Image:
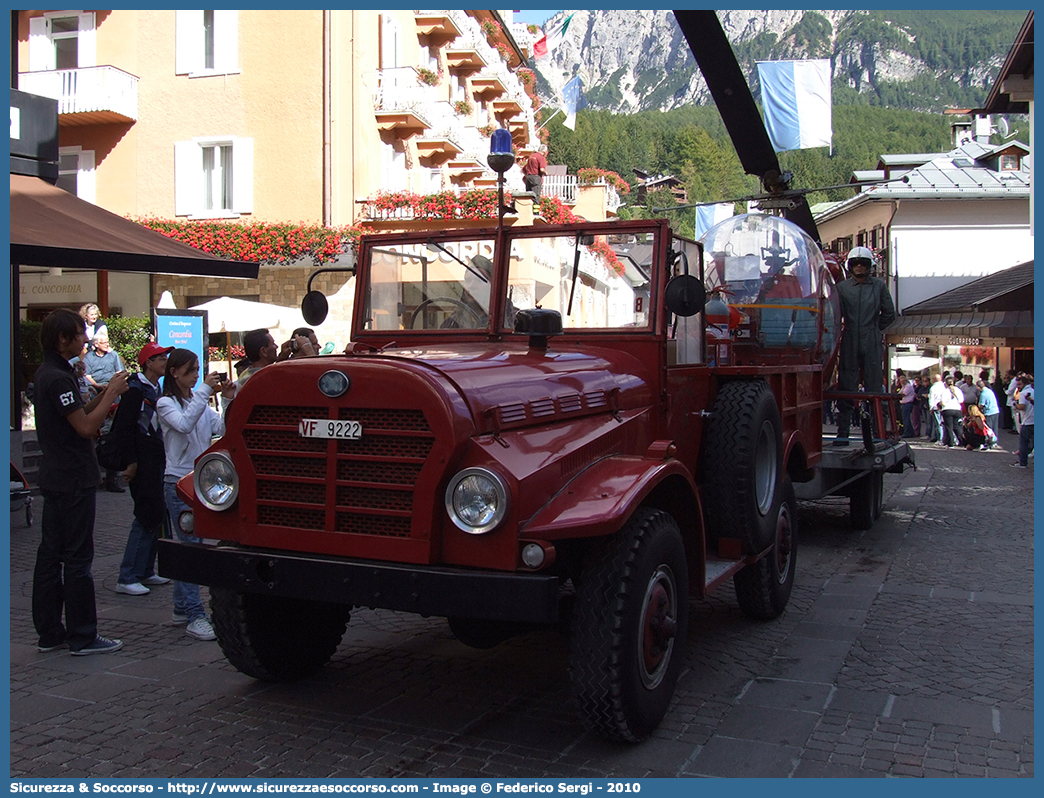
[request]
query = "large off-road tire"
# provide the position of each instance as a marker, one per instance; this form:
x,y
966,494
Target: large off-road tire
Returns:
x,y
628,627
866,500
276,639
741,463
763,589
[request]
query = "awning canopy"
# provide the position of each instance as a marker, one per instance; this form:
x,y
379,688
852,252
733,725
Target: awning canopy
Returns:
x,y
968,323
53,228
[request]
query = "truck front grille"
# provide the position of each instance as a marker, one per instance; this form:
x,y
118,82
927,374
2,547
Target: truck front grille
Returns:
x,y
364,487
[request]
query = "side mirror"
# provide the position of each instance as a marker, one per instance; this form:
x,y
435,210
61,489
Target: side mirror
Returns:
x,y
685,295
314,307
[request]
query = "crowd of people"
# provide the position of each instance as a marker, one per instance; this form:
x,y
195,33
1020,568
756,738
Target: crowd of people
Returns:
x,y
958,410
161,422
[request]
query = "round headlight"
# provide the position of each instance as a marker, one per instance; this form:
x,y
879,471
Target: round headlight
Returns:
x,y
334,383
476,500
186,522
216,481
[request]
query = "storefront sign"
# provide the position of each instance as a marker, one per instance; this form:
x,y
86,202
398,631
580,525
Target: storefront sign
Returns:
x,y
48,289
944,340
184,329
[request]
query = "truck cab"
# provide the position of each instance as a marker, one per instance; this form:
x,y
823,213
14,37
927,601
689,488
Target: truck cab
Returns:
x,y
530,426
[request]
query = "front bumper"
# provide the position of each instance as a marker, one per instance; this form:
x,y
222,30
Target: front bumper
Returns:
x,y
425,590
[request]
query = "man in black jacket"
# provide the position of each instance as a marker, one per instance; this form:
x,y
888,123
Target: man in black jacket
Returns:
x,y
65,430
137,429
866,310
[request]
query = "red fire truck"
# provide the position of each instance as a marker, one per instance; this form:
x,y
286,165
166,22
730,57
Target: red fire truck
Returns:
x,y
533,425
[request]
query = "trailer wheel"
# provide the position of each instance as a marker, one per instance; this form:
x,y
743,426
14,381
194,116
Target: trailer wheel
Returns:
x,y
763,589
628,627
866,500
878,493
276,639
742,463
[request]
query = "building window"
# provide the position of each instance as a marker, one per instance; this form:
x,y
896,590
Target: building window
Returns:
x,y
206,42
393,167
458,87
61,40
1009,163
76,172
390,42
877,237
213,177
217,177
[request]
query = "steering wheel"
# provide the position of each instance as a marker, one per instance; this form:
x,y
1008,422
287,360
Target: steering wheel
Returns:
x,y
456,302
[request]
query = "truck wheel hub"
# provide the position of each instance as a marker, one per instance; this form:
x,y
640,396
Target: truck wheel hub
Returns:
x,y
659,626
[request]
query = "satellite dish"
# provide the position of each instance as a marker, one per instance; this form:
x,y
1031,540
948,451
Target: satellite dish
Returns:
x,y
1002,127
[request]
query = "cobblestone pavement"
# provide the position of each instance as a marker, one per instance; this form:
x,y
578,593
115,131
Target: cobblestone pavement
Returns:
x,y
906,650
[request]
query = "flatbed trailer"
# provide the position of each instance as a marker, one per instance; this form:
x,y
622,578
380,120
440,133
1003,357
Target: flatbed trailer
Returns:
x,y
857,470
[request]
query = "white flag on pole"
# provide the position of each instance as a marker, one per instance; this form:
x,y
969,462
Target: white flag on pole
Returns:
x,y
709,215
796,99
573,100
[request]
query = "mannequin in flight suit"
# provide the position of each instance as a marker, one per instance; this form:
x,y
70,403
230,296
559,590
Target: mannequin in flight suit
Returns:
x,y
866,310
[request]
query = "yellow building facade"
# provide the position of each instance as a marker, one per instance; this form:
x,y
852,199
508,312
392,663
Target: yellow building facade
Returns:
x,y
271,116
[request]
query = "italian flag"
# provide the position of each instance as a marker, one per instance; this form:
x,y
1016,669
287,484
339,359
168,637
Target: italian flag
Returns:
x,y
549,41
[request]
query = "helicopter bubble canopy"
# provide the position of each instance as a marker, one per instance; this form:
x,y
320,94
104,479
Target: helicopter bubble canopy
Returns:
x,y
756,255
775,276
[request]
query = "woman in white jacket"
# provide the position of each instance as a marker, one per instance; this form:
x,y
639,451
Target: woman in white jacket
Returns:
x,y
189,425
951,414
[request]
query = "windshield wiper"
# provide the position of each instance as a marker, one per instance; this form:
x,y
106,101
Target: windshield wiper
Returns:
x,y
433,245
587,240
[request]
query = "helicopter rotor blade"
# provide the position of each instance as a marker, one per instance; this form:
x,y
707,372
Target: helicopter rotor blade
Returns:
x,y
728,86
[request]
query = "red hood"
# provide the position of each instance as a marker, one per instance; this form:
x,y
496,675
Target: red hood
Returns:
x,y
515,385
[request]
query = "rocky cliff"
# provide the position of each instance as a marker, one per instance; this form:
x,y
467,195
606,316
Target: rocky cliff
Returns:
x,y
638,60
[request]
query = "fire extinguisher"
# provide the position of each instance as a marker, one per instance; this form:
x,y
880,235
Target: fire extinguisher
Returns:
x,y
719,319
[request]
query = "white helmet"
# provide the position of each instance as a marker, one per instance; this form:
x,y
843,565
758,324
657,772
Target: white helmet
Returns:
x,y
861,253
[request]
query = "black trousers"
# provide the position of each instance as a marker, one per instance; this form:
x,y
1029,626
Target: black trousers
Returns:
x,y
951,427
62,578
534,183
867,364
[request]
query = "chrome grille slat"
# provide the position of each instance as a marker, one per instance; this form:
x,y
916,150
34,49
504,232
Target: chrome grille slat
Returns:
x,y
374,477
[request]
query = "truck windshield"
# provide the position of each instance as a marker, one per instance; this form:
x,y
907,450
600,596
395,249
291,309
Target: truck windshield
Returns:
x,y
434,285
582,278
446,283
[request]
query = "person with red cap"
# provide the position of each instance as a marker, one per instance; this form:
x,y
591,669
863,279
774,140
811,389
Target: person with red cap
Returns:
x,y
137,429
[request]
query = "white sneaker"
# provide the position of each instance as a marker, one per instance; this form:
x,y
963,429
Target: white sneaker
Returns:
x,y
155,579
133,589
178,619
201,630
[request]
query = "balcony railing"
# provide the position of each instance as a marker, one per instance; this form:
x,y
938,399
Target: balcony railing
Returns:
x,y
399,89
561,186
87,95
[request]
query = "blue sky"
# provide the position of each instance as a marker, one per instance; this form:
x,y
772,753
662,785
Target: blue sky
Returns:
x,y
531,17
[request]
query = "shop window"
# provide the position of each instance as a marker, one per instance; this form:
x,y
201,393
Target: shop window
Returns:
x,y
213,177
206,43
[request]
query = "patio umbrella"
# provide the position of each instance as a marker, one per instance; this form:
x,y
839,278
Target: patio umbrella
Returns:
x,y
914,363
228,315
